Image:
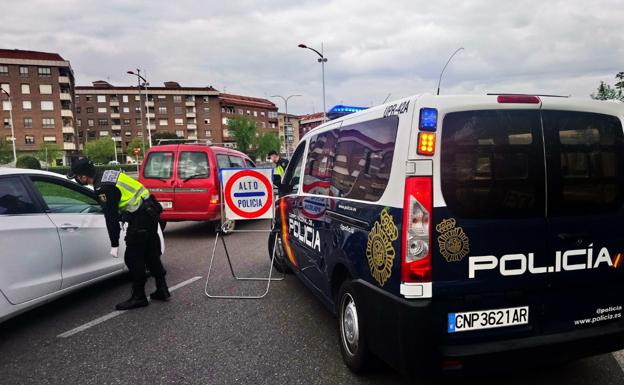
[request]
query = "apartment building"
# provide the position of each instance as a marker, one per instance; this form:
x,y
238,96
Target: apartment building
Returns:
x,y
288,132
104,110
310,121
38,97
262,111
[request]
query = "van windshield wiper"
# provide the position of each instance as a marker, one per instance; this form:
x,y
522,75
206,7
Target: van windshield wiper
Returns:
x,y
195,176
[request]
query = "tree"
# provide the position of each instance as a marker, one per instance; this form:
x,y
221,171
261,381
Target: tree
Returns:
x,y
48,153
243,131
164,135
136,143
606,92
265,143
101,150
6,151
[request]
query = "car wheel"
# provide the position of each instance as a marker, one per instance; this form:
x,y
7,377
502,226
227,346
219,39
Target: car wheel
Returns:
x,y
352,330
279,262
163,224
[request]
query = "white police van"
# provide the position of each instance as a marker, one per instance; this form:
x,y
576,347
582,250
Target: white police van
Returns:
x,y
451,231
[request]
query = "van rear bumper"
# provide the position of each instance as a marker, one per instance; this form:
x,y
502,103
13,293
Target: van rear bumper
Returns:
x,y
407,334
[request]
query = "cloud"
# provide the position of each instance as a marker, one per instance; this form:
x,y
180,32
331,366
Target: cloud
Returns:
x,y
373,48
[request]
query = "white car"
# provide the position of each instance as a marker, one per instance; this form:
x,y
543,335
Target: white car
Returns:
x,y
53,239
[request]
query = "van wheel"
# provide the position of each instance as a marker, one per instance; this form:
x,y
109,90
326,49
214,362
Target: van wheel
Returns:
x,y
163,224
279,262
351,329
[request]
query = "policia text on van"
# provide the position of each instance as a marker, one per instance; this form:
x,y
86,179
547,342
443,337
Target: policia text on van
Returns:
x,y
448,231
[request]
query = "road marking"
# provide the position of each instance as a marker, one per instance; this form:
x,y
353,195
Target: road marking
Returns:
x,y
114,314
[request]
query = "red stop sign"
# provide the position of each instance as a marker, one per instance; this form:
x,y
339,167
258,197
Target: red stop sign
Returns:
x,y
136,151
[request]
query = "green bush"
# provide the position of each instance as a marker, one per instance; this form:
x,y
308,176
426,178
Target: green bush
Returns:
x,y
27,161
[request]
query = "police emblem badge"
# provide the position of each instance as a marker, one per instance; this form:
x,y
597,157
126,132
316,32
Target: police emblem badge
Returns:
x,y
379,250
454,243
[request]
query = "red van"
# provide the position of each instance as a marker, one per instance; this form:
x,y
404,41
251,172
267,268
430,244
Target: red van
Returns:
x,y
185,179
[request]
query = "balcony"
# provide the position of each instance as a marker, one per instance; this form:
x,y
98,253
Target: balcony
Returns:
x,y
116,127
64,79
191,126
151,115
69,146
192,137
116,139
114,103
190,115
115,115
68,130
189,103
150,103
66,96
67,113
151,127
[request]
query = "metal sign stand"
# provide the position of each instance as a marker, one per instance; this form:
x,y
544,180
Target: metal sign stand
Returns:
x,y
222,229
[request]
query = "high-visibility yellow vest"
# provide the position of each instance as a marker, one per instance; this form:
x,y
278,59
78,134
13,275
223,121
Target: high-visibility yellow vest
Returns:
x,y
132,191
279,170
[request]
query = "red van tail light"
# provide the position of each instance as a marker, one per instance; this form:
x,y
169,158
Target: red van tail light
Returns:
x,y
214,200
417,209
526,99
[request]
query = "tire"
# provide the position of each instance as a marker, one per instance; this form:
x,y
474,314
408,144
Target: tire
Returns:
x,y
279,262
352,330
163,224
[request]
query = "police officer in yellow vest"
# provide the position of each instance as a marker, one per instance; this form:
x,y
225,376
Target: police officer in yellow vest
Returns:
x,y
125,199
280,166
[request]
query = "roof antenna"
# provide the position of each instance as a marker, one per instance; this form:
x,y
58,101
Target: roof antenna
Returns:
x,y
386,98
447,62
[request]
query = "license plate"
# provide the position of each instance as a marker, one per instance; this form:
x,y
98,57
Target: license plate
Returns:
x,y
166,205
488,319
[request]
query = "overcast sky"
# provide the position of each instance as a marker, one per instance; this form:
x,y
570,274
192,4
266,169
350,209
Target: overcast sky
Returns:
x,y
374,48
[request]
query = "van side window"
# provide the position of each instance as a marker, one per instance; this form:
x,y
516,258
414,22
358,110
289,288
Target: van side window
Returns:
x,y
320,162
250,163
159,165
235,161
193,164
585,153
290,182
492,164
363,159
223,161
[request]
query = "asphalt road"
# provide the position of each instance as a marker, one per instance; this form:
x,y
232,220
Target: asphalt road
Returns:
x,y
286,338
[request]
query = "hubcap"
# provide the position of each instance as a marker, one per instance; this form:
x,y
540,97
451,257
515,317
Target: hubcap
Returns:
x,y
349,325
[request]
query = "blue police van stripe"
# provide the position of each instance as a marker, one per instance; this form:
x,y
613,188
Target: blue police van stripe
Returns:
x,y
249,194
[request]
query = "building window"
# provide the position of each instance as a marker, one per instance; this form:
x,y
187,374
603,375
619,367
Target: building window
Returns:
x,y
126,110
240,111
23,71
79,122
27,105
255,114
47,105
87,98
101,98
248,112
125,122
263,124
6,87
163,122
48,122
207,121
179,122
177,98
4,70
102,122
224,121
89,110
162,97
272,115
45,89
44,72
137,110
208,133
90,123
49,139
261,113
162,110
27,122
180,133
7,123
103,133
178,110
101,110
124,98
138,121
6,105
29,139
272,125
78,109
25,89
206,99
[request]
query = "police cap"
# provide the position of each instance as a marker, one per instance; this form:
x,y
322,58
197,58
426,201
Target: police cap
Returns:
x,y
82,166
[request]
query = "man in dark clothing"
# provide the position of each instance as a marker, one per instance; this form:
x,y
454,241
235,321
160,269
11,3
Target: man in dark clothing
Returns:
x,y
125,199
280,166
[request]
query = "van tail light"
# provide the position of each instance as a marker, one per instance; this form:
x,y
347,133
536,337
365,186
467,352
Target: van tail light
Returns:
x,y
214,199
521,99
418,204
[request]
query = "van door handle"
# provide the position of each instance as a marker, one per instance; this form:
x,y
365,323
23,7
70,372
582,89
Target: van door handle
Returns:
x,y
69,226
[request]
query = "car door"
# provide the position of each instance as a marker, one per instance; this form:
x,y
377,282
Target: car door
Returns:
x,y
31,249
195,188
585,173
158,176
82,229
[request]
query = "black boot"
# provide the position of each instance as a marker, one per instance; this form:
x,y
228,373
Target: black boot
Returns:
x,y
138,299
162,291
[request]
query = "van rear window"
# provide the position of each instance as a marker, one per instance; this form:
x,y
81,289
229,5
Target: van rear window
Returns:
x,y
159,165
492,164
193,164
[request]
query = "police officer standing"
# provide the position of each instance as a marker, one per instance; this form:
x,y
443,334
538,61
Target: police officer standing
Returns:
x,y
280,165
125,199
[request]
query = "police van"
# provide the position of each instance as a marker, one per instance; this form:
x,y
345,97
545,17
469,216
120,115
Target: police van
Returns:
x,y
451,231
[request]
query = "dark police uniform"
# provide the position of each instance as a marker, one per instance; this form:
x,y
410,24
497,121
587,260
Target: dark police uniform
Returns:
x,y
125,199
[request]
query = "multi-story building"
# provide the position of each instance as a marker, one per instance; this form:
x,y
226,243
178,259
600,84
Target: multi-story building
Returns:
x,y
310,121
289,137
262,111
41,103
119,112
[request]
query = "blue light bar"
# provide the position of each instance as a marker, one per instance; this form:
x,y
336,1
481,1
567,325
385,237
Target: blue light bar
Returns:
x,y
428,119
340,110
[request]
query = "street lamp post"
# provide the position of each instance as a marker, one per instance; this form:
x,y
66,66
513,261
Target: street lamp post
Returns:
x,y
11,123
286,120
322,59
145,84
